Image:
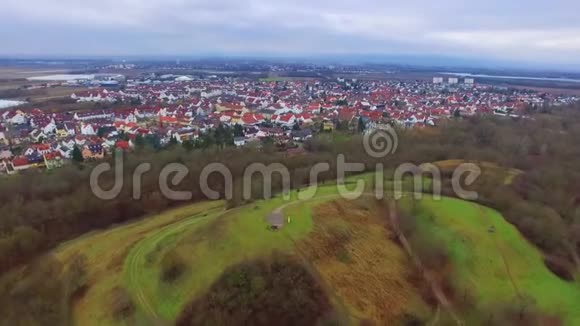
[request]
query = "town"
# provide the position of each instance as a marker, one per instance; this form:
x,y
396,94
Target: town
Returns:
x,y
166,110
352,163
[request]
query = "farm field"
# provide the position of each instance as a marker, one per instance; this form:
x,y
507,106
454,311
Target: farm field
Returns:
x,y
13,80
493,262
54,93
17,72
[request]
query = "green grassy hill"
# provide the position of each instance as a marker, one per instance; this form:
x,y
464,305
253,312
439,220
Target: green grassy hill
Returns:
x,y
165,261
493,262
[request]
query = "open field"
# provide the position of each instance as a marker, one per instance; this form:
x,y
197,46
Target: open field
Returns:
x,y
11,84
286,79
402,76
46,94
15,72
493,262
12,79
551,90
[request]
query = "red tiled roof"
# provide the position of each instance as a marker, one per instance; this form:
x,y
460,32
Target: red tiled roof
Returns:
x,y
122,144
52,155
20,161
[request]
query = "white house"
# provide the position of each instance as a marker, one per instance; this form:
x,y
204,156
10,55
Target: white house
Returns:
x,y
66,152
80,140
49,128
15,118
239,141
287,120
70,129
211,93
225,118
5,155
130,118
92,115
42,149
305,118
170,98
36,135
102,96
88,129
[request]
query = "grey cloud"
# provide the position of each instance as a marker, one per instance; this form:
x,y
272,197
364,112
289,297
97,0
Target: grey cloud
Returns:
x,y
535,30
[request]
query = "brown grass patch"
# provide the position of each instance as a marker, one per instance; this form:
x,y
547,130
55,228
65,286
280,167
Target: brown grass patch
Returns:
x,y
351,248
489,169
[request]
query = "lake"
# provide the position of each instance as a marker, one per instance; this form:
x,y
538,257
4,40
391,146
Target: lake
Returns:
x,y
569,80
4,104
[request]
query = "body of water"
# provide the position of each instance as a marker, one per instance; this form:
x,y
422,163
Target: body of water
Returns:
x,y
5,104
569,80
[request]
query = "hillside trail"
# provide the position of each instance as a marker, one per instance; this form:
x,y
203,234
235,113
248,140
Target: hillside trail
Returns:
x,y
394,221
503,257
150,311
136,257
435,287
435,320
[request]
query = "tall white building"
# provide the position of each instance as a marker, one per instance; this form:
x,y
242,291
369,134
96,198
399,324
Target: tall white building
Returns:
x,y
453,80
437,80
469,81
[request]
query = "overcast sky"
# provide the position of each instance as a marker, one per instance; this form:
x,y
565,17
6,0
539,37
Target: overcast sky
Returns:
x,y
536,31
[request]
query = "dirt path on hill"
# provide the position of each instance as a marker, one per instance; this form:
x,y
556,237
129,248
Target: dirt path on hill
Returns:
x,y
435,288
136,256
394,221
503,258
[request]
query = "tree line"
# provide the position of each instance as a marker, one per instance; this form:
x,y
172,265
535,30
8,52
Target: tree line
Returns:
x,y
41,210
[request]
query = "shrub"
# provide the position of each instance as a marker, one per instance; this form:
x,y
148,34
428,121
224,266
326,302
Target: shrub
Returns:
x,y
267,292
121,303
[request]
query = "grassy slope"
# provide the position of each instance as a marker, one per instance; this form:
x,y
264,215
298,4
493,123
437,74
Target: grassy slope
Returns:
x,y
209,248
242,233
106,251
484,260
128,255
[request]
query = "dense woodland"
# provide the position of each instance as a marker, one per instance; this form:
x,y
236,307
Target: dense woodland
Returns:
x,y
40,210
275,291
42,293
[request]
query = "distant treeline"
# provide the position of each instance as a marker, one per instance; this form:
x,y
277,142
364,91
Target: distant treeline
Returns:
x,y
40,210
